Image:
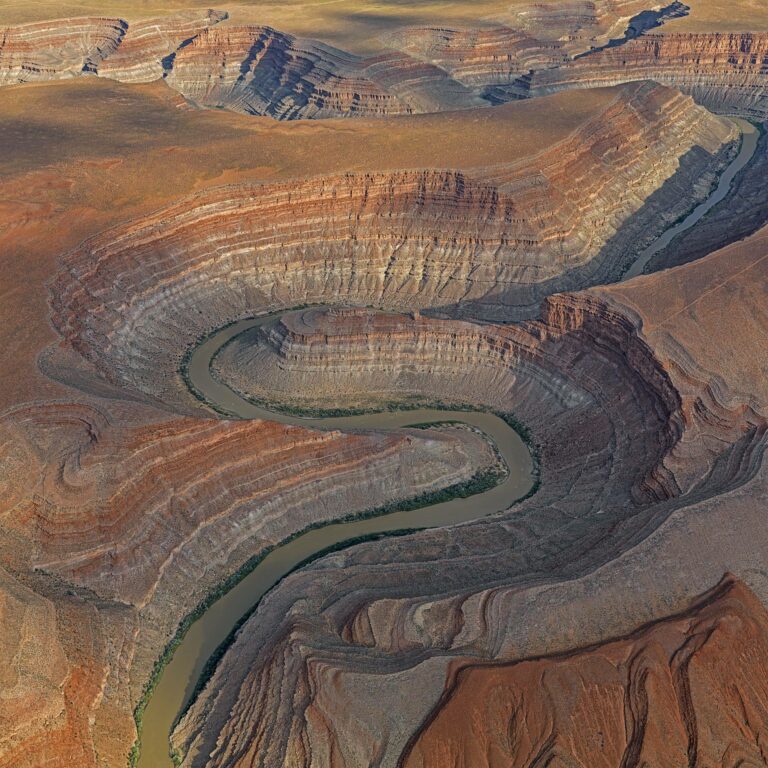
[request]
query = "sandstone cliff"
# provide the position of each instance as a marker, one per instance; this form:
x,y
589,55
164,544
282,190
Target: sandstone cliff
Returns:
x,y
724,71
486,243
670,438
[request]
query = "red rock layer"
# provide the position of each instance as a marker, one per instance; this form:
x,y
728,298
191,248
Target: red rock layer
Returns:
x,y
725,72
52,50
580,23
480,56
688,690
497,240
117,522
653,484
111,47
258,70
149,46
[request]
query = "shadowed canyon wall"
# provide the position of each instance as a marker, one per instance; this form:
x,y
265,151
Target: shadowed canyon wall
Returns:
x,y
665,459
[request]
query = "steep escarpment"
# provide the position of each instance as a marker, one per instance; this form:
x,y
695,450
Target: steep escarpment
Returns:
x,y
149,46
259,70
690,686
727,72
670,439
117,522
63,48
481,56
486,243
54,50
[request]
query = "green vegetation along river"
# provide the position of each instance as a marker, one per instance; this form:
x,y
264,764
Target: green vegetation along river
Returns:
x,y
179,676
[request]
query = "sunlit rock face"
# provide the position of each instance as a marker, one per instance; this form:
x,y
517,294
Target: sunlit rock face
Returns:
x,y
490,242
727,72
673,437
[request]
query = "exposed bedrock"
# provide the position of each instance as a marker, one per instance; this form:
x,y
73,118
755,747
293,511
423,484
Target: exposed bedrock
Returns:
x,y
686,690
259,70
726,72
53,50
481,56
580,24
489,242
542,36
652,487
149,46
62,48
117,522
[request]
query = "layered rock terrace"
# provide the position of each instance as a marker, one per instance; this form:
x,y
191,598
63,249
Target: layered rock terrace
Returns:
x,y
670,445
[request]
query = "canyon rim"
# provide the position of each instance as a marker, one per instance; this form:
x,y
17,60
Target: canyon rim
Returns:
x,y
385,384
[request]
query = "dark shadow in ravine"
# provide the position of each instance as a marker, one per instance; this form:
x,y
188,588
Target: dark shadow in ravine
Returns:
x,y
608,265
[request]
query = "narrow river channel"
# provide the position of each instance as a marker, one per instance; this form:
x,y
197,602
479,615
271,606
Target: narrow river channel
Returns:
x,y
180,676
750,136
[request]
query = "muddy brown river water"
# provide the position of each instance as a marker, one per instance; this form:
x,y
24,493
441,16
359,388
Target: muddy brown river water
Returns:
x,y
181,674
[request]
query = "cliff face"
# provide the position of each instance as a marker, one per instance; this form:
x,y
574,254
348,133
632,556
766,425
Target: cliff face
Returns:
x,y
52,50
117,523
260,71
496,239
149,47
681,684
724,71
670,440
528,51
480,56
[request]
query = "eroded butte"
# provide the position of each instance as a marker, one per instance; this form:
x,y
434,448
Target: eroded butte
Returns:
x,y
459,244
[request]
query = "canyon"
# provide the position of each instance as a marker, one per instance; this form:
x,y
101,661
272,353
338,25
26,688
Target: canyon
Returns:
x,y
182,177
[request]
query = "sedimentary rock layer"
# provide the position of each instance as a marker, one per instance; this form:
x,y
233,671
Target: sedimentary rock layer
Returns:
x,y
669,437
481,56
261,71
487,243
52,50
149,47
727,72
128,518
63,48
690,688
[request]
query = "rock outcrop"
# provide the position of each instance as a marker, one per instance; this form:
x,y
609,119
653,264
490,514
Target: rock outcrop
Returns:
x,y
485,243
128,522
57,49
149,47
727,72
258,70
670,439
690,688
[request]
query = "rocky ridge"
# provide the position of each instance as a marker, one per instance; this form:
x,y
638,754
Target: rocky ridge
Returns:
x,y
485,243
670,444
128,522
725,72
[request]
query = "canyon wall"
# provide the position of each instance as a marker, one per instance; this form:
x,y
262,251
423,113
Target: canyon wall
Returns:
x,y
117,522
487,243
669,438
726,72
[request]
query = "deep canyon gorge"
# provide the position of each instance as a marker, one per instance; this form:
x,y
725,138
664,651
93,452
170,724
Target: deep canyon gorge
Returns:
x,y
346,359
